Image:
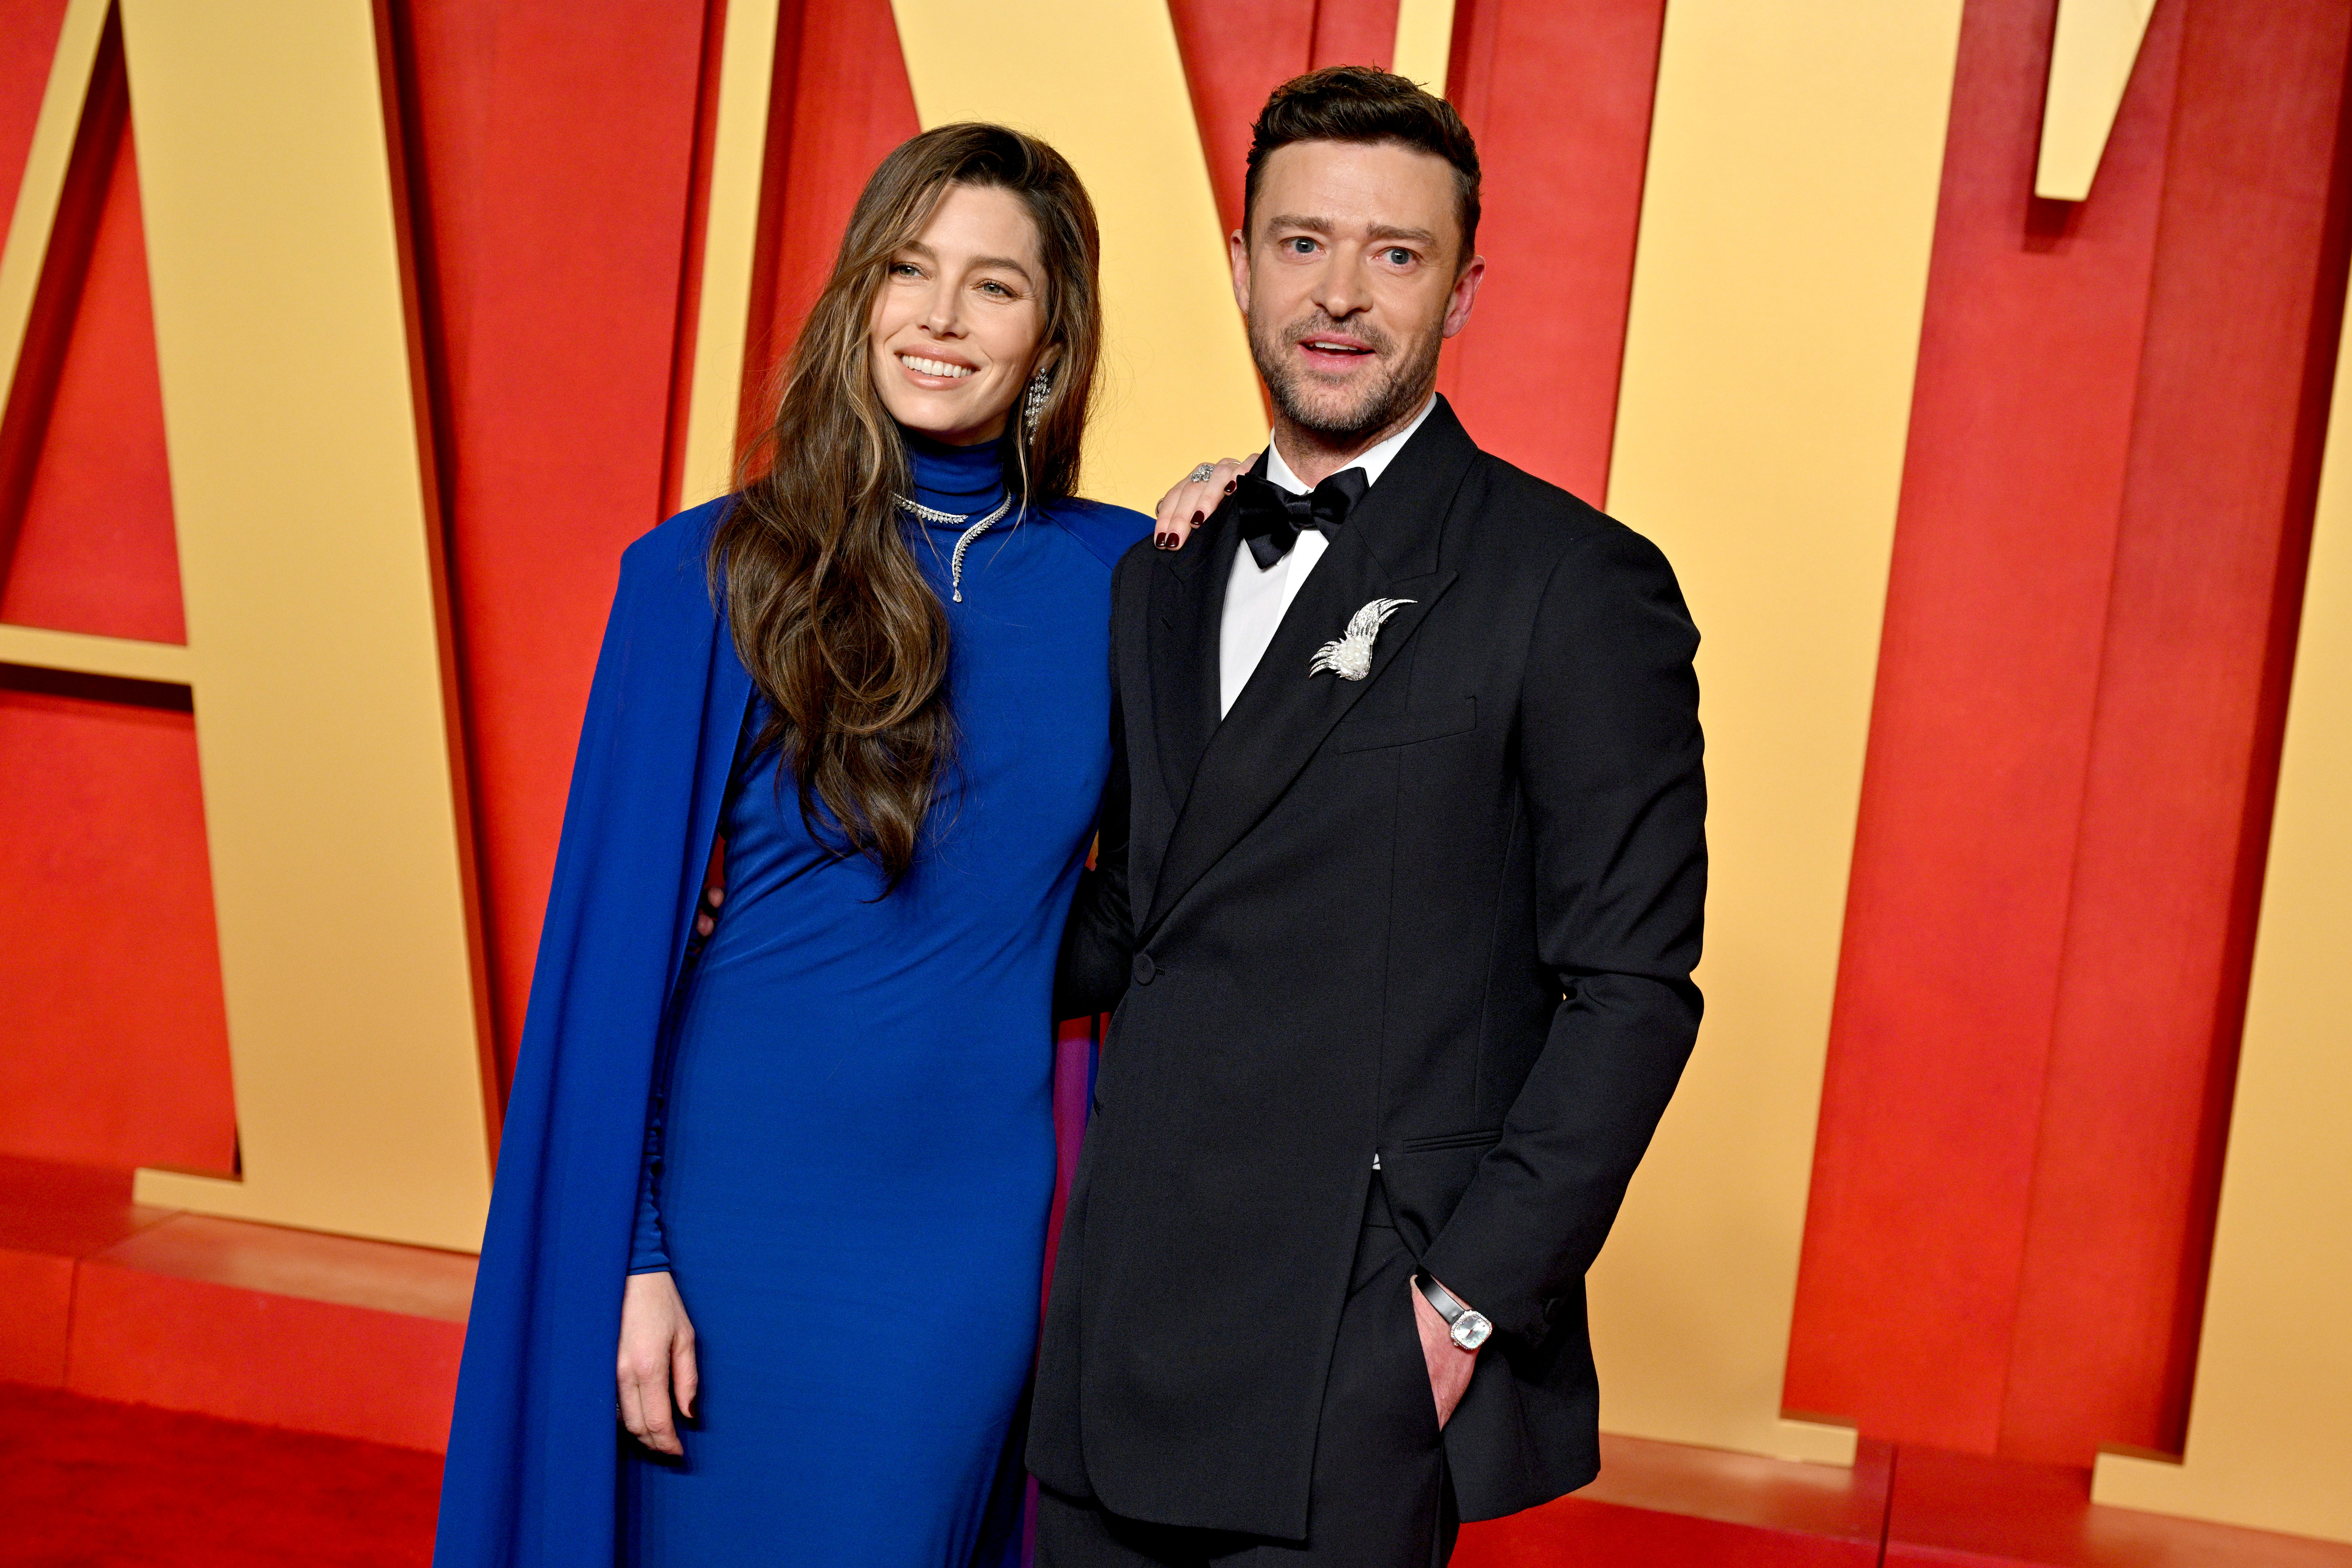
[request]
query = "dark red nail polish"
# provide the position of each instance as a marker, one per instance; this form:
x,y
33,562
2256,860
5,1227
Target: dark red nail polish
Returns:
x,y
1163,541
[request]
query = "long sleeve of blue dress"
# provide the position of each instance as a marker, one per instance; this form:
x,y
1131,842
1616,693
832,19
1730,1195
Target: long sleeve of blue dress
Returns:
x,y
647,1253
648,1246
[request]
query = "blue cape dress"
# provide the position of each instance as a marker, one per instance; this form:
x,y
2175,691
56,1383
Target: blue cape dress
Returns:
x,y
533,1463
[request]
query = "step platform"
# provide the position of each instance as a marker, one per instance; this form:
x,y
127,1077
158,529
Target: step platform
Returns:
x,y
1665,1505
103,1296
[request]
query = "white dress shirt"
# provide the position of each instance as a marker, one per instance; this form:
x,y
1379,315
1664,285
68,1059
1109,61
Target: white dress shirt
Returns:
x,y
1257,597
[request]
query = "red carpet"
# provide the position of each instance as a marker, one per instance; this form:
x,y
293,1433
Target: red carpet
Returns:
x,y
86,1484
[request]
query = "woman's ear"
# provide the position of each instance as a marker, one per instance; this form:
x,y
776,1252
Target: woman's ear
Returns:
x,y
1047,358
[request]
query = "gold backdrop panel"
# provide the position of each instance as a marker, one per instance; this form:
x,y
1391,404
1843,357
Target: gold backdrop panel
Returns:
x,y
1795,159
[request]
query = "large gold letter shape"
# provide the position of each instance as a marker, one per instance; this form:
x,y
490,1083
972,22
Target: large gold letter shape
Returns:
x,y
314,649
321,721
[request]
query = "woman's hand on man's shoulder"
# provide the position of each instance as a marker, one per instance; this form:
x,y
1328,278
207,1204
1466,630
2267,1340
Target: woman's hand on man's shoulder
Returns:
x,y
1197,495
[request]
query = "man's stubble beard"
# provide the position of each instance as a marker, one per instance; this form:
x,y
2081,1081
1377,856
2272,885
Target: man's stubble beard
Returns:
x,y
1392,396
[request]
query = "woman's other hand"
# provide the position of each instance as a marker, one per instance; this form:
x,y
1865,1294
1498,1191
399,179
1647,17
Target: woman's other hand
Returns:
x,y
1186,506
656,1362
714,890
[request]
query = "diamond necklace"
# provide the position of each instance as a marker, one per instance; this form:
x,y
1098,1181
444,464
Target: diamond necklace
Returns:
x,y
964,543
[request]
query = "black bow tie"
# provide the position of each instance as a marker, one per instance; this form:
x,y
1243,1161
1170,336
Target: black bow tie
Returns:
x,y
1271,517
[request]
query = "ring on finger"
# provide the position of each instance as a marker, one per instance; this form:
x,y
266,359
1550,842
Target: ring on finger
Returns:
x,y
1200,473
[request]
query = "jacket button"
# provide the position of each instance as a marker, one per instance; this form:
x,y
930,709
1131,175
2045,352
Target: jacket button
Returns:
x,y
1144,968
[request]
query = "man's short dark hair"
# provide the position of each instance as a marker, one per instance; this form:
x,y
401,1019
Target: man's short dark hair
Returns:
x,y
1360,104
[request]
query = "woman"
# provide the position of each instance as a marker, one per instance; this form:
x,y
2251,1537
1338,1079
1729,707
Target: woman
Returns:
x,y
879,673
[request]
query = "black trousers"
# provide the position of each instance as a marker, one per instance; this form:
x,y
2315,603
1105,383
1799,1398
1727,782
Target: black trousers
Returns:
x,y
1380,1494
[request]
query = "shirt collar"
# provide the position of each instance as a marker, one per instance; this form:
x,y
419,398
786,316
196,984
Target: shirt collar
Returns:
x,y
1374,462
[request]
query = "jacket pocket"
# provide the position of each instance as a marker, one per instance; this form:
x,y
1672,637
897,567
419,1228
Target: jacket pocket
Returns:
x,y
1441,720
1452,1141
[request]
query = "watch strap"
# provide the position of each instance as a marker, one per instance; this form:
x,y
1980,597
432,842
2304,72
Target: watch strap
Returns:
x,y
1448,1306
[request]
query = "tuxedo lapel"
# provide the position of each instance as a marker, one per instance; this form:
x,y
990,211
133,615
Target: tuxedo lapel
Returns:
x,y
1389,549
1183,614
1188,602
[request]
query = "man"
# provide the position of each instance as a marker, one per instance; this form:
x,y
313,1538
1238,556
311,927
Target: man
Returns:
x,y
1399,895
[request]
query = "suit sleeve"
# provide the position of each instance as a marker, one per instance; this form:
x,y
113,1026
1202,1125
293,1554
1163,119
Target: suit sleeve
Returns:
x,y
1611,769
1099,944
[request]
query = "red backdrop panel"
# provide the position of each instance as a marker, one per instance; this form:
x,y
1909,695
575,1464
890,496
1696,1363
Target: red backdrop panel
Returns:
x,y
2242,326
1236,54
1354,32
842,102
552,150
117,1048
2111,440
1989,667
1558,94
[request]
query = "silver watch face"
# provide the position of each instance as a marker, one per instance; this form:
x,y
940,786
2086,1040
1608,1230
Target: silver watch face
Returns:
x,y
1471,1328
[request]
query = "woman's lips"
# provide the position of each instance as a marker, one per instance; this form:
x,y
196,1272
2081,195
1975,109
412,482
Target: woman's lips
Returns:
x,y
924,368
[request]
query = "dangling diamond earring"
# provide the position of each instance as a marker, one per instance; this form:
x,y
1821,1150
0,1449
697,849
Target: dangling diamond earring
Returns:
x,y
1032,407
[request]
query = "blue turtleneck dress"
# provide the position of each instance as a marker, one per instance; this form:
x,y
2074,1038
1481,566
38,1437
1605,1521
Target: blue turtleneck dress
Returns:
x,y
851,1150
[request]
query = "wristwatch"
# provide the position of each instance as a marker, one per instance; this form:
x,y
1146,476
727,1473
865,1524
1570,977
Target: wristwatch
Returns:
x,y
1469,1327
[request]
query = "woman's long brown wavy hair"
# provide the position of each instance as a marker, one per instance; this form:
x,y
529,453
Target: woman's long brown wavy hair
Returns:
x,y
829,611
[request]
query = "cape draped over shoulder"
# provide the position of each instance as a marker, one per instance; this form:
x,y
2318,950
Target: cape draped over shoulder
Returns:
x,y
533,1467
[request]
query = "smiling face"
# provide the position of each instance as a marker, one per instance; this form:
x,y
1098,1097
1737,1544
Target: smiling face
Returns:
x,y
1351,280
959,318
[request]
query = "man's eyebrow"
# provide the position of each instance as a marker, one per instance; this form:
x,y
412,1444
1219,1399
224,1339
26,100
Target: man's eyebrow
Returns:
x,y
1380,233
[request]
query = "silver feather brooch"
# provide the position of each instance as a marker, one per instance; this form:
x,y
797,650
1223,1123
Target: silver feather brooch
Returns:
x,y
1350,657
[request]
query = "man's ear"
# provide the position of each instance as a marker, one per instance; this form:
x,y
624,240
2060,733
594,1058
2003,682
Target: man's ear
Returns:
x,y
1237,247
1464,296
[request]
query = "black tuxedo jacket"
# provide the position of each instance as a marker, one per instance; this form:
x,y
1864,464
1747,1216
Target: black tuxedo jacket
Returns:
x,y
1433,929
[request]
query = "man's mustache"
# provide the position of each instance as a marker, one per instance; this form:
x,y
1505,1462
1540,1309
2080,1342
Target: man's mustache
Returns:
x,y
1320,325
